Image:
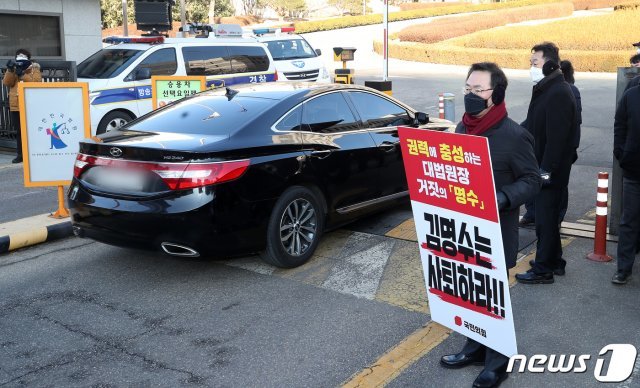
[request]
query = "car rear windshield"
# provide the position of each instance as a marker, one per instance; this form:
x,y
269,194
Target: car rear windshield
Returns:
x,y
290,49
107,63
204,114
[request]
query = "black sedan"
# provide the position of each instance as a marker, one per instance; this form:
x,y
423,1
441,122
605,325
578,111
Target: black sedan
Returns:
x,y
261,168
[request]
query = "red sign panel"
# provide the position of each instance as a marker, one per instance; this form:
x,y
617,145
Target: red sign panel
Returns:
x,y
450,171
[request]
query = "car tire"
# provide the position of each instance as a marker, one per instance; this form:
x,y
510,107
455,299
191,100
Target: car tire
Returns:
x,y
295,228
113,120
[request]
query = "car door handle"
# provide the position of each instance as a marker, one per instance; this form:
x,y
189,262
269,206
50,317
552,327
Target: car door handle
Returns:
x,y
321,154
389,146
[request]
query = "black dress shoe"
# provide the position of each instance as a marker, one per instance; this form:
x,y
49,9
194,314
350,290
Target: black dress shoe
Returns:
x,y
489,379
18,159
460,360
556,271
531,277
621,277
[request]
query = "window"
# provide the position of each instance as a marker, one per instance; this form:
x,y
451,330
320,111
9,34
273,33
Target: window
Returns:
x,y
290,49
214,115
206,60
379,112
291,122
161,62
329,113
248,59
107,63
39,34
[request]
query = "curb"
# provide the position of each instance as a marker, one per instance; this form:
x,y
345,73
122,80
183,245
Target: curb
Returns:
x,y
36,236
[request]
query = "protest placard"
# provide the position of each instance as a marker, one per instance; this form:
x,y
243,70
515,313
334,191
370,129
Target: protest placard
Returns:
x,y
456,216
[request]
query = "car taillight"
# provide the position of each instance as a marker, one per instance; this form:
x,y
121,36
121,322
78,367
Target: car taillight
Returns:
x,y
275,77
192,175
177,176
82,161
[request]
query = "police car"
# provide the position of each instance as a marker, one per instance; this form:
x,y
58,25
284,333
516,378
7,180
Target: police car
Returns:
x,y
294,57
119,75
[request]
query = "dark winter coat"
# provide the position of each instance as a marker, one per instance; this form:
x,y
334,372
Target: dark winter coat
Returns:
x,y
515,173
12,80
635,81
553,122
626,133
578,98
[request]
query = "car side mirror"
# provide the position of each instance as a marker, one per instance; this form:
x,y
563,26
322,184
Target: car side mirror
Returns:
x,y
318,52
421,118
143,73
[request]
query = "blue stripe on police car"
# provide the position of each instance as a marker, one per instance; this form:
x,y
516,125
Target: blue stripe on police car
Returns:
x,y
109,96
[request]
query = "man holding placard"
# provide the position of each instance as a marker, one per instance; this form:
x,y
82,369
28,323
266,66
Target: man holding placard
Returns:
x,y
516,180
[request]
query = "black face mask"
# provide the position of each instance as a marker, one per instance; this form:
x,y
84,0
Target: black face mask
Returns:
x,y
474,104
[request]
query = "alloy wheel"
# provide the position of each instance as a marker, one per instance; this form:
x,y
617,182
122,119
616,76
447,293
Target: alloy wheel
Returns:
x,y
298,227
115,124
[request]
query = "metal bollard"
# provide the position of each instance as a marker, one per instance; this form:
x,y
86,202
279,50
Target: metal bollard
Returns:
x,y
450,107
600,236
447,106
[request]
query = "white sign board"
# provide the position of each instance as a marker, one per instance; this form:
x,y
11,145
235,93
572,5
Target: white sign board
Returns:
x,y
454,208
54,118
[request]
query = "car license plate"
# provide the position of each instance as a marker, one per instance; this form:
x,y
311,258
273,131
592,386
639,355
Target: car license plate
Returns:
x,y
119,179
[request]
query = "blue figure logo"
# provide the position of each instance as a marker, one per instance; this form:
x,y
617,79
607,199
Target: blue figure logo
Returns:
x,y
56,141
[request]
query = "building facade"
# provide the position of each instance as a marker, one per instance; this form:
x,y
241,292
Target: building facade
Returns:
x,y
68,30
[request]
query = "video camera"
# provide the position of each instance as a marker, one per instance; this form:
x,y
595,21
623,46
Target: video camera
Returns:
x,y
18,66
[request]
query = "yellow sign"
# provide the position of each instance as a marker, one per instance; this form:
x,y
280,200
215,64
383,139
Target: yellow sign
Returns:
x,y
166,89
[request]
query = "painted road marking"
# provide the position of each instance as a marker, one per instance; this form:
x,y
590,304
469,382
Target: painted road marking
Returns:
x,y
404,231
253,265
393,269
359,274
24,239
402,283
397,359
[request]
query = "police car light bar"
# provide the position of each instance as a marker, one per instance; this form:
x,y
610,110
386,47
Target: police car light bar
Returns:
x,y
138,39
228,30
262,31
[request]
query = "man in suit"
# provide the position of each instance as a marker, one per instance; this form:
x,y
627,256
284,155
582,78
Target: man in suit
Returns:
x,y
626,149
552,120
517,180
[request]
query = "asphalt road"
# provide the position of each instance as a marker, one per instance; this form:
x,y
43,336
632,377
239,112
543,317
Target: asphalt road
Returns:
x,y
16,200
79,313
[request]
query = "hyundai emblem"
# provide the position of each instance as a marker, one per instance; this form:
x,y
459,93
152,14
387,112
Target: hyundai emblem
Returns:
x,y
115,152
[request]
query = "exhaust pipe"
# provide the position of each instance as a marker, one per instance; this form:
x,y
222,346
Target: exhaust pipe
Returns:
x,y
178,250
77,231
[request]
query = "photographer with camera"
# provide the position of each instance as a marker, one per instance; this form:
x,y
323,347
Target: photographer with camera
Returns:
x,y
22,69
